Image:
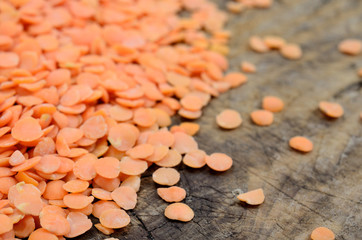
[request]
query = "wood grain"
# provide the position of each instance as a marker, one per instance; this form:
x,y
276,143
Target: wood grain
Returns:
x,y
303,191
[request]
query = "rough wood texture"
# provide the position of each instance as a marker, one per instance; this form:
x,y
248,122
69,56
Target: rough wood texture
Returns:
x,y
303,191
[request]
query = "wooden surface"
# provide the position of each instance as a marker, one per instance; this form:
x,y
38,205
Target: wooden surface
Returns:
x,y
303,191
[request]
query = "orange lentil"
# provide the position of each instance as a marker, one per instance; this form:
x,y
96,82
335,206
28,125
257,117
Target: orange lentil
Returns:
x,y
77,200
7,211
166,176
257,44
94,127
195,159
272,104
58,77
291,51
301,144
159,153
51,176
3,203
7,141
123,136
75,186
262,3
235,7
16,158
144,117
132,166
48,164
24,227
254,197
114,218
27,164
24,177
141,151
191,103
262,117
180,212
8,60
6,172
55,223
26,129
172,194
228,119
322,233
172,159
5,42
162,118
274,42
26,198
331,109
184,143
190,128
16,215
125,197
6,183
66,165
119,113
247,67
4,161
133,182
101,194
87,210
189,114
235,79
6,224
104,230
350,46
107,167
54,190
79,224
41,233
219,162
84,167
48,42
161,137
53,210
101,206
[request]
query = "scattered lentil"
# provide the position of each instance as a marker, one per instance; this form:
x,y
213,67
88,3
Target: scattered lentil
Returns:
x,y
166,176
331,109
247,67
272,104
262,117
172,194
350,46
254,197
291,51
274,42
229,119
258,45
180,212
301,144
322,233
219,162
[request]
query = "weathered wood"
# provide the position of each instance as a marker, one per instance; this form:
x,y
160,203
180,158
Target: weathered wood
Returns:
x,y
303,191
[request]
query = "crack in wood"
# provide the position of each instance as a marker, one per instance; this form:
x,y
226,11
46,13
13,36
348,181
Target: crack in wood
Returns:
x,y
149,233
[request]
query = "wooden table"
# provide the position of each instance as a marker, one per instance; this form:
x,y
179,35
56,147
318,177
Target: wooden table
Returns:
x,y
303,191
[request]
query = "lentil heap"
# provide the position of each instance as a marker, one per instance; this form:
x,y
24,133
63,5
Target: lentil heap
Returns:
x,y
87,91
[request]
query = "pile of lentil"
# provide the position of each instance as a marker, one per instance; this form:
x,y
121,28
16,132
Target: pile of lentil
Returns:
x,y
87,92
88,89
